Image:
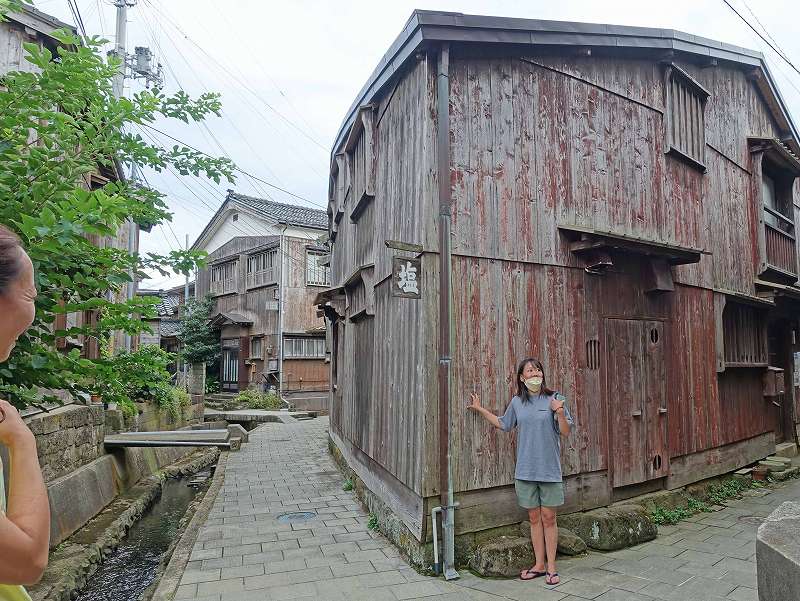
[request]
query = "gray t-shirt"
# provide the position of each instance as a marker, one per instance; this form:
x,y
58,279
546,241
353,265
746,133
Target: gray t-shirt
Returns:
x,y
538,438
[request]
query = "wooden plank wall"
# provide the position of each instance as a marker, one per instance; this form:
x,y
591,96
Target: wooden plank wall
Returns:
x,y
385,399
577,141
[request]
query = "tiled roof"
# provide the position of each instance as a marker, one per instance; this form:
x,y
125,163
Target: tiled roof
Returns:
x,y
169,327
168,306
285,213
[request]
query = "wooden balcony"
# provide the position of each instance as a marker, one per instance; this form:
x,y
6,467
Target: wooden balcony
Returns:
x,y
780,246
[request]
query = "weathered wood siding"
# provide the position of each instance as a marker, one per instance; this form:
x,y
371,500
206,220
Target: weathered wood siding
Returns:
x,y
385,393
538,143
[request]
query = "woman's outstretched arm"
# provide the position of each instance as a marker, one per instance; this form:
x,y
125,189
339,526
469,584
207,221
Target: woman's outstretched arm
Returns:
x,y
475,406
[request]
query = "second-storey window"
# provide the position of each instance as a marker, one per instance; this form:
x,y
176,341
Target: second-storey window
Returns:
x,y
316,274
262,268
223,277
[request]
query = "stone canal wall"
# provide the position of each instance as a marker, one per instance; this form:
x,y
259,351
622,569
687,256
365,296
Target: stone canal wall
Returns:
x,y
68,438
81,477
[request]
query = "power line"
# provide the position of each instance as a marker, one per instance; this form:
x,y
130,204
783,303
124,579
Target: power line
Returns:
x,y
758,33
203,124
243,84
76,14
750,10
226,73
263,181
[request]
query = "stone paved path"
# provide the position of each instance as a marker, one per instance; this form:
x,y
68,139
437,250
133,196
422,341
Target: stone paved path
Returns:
x,y
243,553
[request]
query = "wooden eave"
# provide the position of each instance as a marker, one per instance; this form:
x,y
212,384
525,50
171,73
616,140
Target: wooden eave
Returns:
x,y
792,292
777,152
328,294
746,298
585,240
356,275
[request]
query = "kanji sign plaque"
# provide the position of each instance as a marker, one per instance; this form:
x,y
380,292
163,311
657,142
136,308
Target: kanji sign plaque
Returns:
x,y
406,277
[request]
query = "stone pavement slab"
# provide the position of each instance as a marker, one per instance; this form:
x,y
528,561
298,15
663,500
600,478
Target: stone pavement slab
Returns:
x,y
244,552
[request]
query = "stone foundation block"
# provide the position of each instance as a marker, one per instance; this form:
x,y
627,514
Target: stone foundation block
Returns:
x,y
611,528
778,554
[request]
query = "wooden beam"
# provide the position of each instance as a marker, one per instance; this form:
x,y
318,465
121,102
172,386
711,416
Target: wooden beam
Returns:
x,y
397,245
721,460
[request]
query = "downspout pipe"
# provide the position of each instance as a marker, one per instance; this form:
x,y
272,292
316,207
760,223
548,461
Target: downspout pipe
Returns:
x,y
445,310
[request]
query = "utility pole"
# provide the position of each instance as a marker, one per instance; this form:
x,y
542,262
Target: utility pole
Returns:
x,y
185,306
141,67
119,48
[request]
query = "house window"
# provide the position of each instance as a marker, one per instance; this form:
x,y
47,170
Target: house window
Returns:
x,y
684,118
262,268
303,348
316,274
223,277
775,169
235,217
257,348
745,336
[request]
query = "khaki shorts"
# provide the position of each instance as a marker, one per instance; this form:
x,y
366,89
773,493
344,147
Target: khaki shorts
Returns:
x,y
531,495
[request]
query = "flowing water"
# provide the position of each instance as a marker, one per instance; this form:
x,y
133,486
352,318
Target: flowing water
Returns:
x,y
133,566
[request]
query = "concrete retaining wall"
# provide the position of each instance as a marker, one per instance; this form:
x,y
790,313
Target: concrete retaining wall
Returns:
x,y
778,554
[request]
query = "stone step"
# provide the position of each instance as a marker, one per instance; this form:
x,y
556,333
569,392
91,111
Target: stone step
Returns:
x,y
782,460
786,449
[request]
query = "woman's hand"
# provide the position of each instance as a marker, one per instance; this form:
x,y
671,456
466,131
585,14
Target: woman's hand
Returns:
x,y
557,406
12,429
475,403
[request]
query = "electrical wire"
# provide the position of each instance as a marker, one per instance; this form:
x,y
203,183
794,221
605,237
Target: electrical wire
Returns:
x,y
237,83
766,41
263,181
169,19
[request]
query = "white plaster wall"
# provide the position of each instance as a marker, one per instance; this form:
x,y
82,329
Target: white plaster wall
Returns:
x,y
248,225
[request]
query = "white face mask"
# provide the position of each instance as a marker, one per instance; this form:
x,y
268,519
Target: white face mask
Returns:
x,y
534,384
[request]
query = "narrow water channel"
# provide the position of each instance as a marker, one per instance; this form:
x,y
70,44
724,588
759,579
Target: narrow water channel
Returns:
x,y
132,567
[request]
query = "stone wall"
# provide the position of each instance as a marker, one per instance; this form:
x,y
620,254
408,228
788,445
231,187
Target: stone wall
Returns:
x,y
67,438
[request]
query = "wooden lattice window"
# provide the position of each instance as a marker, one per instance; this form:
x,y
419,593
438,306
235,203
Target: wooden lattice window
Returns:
x,y
685,101
745,336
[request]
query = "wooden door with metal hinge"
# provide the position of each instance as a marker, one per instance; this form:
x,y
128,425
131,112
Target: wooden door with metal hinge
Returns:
x,y
635,392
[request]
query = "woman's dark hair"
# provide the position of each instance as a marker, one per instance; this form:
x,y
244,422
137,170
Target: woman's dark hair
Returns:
x,y
522,391
10,265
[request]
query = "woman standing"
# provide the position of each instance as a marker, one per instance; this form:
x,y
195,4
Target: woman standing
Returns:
x,y
25,522
541,418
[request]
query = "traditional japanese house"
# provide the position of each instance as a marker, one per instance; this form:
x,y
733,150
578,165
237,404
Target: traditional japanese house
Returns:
x,y
618,201
264,269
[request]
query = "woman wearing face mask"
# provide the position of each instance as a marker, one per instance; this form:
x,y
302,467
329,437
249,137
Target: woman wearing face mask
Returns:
x,y
25,522
541,417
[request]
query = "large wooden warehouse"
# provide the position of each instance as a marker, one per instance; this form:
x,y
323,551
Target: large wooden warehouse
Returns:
x,y
617,201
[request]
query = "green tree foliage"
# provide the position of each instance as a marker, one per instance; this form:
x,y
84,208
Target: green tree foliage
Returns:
x,y
57,126
200,341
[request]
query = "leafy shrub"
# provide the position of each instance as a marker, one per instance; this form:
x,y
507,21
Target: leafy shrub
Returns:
x,y
212,385
661,515
372,522
183,398
348,485
254,399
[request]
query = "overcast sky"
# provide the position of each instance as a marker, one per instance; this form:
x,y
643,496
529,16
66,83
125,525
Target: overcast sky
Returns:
x,y
289,70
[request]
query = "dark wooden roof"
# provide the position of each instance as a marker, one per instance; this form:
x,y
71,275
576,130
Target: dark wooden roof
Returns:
x,y
428,28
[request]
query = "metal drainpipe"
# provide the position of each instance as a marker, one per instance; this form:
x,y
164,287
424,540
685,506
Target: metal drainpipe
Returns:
x,y
445,310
